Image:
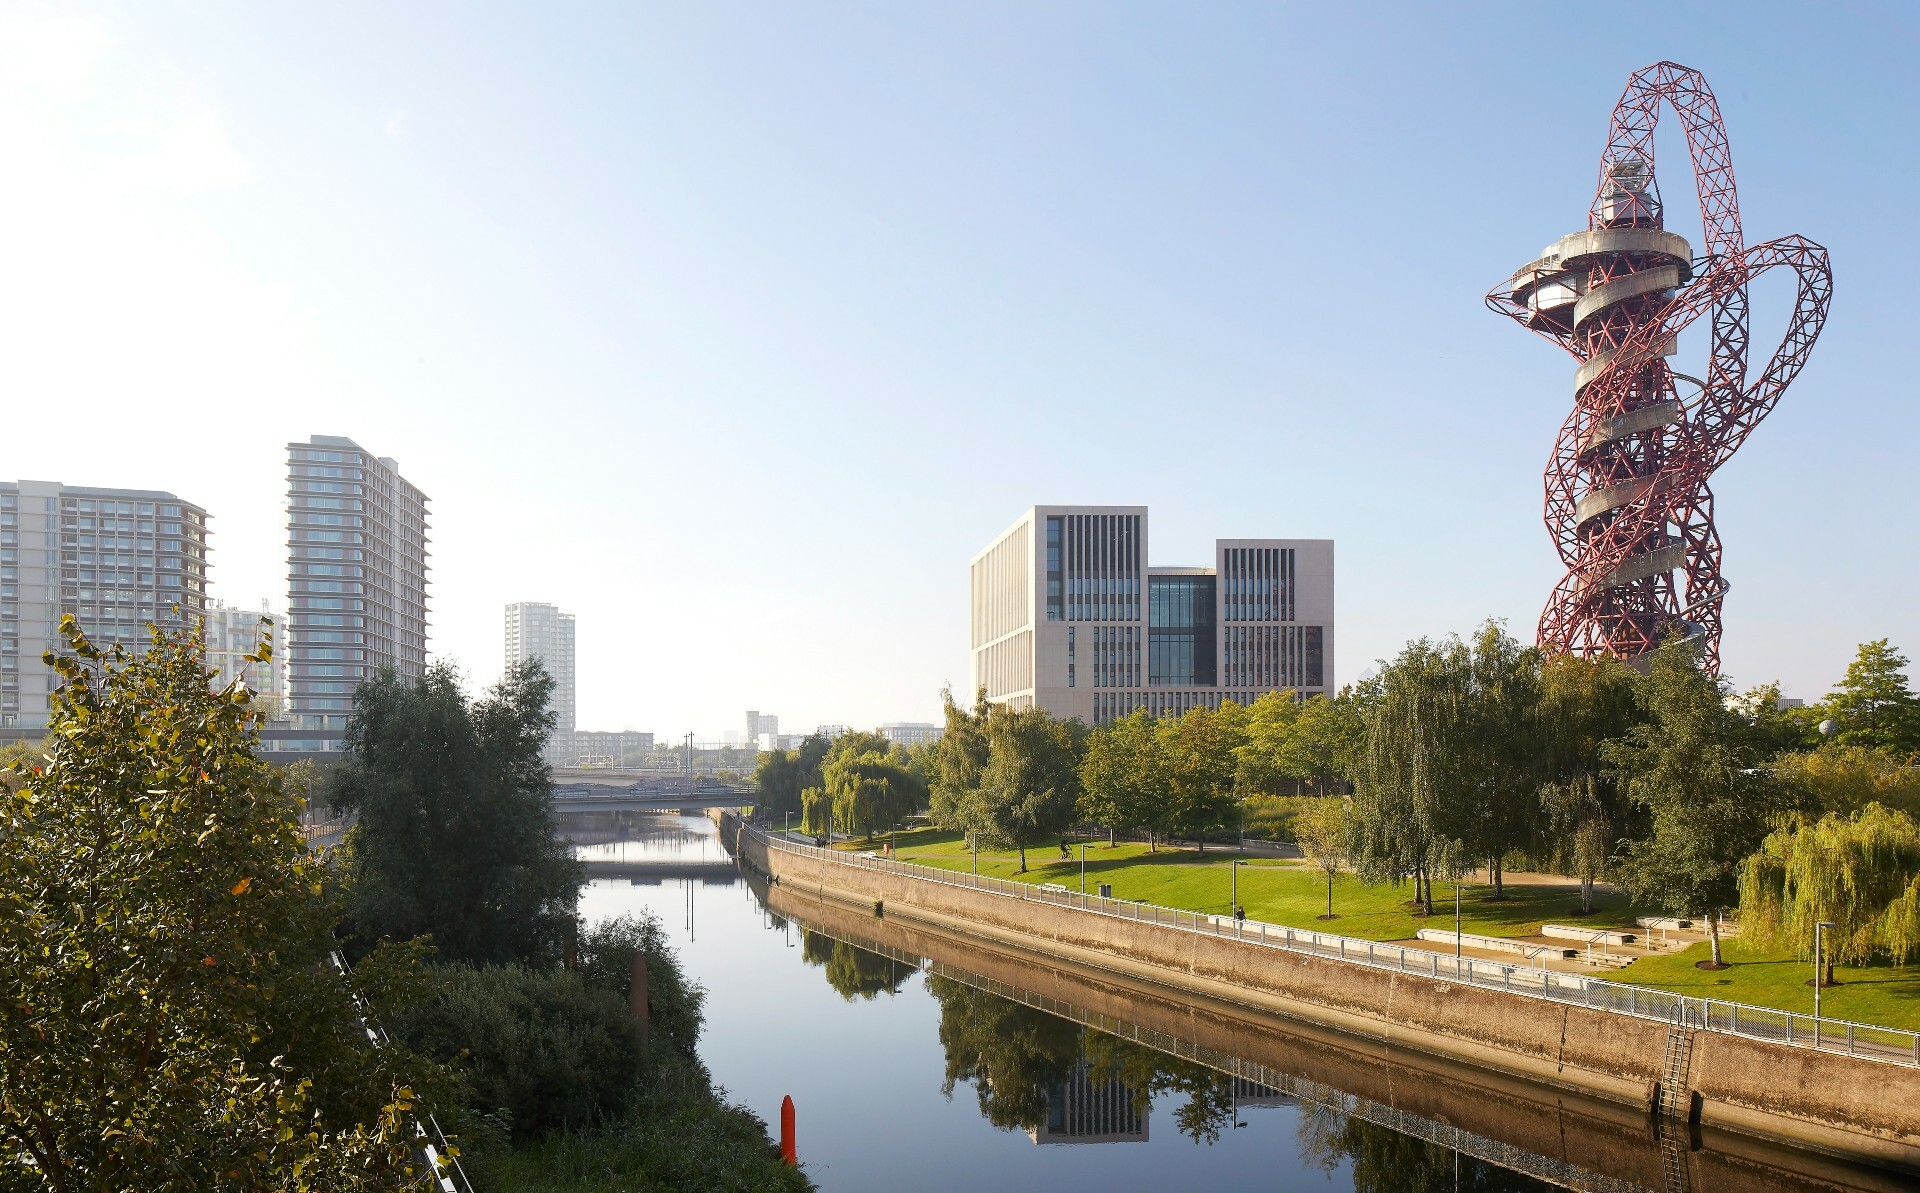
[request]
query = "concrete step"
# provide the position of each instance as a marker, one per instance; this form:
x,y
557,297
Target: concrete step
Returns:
x,y
1590,935
1531,950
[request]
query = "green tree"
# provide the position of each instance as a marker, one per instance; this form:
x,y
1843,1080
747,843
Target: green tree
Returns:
x,y
1322,834
1874,706
1030,787
1845,779
1859,871
1197,752
1327,742
1584,703
1402,824
776,782
1691,767
872,790
1265,760
959,760
168,1018
1123,777
456,832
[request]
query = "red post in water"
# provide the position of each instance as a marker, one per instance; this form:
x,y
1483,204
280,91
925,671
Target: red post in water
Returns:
x,y
786,1130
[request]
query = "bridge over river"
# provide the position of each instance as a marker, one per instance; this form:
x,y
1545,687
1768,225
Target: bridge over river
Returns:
x,y
647,793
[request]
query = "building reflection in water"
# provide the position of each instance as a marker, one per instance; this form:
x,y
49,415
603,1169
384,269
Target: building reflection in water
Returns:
x,y
1082,1109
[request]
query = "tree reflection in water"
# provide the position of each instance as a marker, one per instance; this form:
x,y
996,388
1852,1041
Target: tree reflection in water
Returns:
x,y
852,971
1035,1072
1019,1061
1386,1161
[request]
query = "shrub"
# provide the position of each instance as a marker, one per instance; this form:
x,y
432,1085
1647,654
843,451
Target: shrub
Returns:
x,y
606,963
538,1050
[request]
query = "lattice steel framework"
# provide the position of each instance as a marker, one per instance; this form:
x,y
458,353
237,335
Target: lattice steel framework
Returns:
x,y
1627,501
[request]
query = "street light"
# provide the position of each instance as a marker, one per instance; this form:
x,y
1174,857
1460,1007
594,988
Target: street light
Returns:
x,y
1234,865
1083,868
1456,924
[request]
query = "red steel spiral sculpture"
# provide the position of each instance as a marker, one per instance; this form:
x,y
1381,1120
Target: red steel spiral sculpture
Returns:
x,y
1627,498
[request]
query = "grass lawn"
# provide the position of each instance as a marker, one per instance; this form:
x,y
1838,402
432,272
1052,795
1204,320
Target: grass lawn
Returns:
x,y
1295,894
1271,890
1880,993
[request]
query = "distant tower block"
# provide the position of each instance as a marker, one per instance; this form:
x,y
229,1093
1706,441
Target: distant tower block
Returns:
x,y
1627,501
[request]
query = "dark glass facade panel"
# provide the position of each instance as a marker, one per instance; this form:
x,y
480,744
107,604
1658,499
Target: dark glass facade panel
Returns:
x,y
1054,612
1316,671
1180,647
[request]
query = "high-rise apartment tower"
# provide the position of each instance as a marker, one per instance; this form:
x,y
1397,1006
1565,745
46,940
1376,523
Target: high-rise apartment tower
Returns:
x,y
540,631
357,581
1068,616
117,559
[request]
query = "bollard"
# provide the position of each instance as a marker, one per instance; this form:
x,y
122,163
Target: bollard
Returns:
x,y
786,1131
637,993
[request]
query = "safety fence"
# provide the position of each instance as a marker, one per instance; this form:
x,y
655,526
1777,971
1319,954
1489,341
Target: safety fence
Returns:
x,y
440,1158
1864,1040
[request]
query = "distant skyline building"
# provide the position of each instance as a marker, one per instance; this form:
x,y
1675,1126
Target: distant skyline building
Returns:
x,y
830,731
232,634
1068,615
760,724
356,579
623,748
536,630
910,733
117,559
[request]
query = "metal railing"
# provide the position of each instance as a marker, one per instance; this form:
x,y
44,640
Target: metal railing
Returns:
x,y
1864,1040
441,1158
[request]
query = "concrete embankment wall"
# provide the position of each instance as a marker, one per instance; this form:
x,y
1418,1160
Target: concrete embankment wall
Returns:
x,y
1852,1108
1600,1136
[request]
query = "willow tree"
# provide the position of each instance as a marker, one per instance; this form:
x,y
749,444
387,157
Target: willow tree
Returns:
x,y
871,790
1859,872
1410,780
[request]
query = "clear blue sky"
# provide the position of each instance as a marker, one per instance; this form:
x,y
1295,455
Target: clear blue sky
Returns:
x,y
736,329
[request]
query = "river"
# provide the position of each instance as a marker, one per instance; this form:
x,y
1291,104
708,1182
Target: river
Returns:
x,y
920,1064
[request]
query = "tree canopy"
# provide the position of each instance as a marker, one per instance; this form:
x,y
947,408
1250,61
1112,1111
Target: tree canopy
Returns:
x,y
456,838
1873,705
1690,765
168,1019
1859,871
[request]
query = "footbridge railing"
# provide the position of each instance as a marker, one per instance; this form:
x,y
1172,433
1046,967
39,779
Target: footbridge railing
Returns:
x,y
1865,1040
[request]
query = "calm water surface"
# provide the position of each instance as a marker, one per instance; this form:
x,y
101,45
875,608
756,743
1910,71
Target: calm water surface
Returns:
x,y
904,1078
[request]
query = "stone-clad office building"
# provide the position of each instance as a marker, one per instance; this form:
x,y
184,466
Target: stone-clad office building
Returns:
x,y
1067,614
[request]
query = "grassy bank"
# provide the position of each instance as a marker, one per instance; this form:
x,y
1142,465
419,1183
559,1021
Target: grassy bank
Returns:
x,y
1882,994
1276,891
1295,894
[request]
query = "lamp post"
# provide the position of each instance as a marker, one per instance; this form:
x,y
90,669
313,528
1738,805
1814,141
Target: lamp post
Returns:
x,y
1456,925
1234,865
1083,868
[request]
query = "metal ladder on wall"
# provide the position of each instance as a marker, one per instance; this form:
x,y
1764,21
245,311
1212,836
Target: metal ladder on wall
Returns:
x,y
1675,1109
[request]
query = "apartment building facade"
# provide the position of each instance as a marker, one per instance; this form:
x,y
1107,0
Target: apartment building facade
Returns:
x,y
118,560
536,630
231,635
357,583
1067,614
